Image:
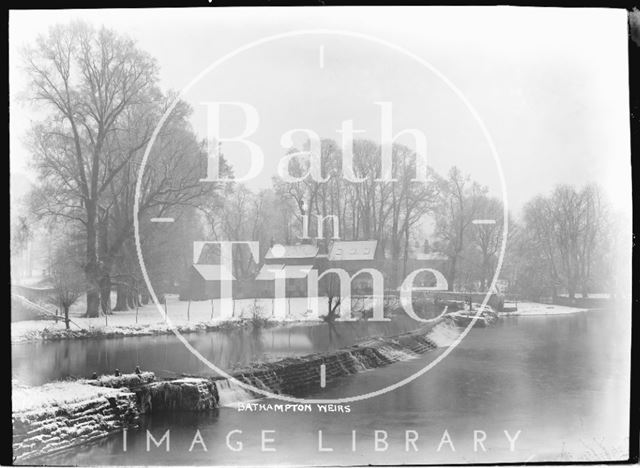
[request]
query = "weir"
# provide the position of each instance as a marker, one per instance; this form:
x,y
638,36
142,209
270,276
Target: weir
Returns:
x,y
55,427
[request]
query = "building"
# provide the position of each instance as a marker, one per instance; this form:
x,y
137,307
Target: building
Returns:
x,y
296,262
205,282
295,276
353,256
293,262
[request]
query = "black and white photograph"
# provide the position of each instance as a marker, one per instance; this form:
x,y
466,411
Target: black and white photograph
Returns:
x,y
321,236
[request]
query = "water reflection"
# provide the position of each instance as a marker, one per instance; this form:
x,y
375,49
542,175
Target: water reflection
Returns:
x,y
37,363
562,381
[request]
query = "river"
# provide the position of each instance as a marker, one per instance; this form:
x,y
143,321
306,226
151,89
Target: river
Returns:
x,y
561,381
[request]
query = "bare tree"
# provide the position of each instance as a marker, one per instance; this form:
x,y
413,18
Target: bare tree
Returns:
x,y
369,209
67,279
170,184
459,204
85,80
332,288
568,228
488,237
594,236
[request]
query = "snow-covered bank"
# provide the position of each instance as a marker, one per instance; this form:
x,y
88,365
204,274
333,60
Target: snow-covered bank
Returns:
x,y
56,395
197,316
185,317
535,308
61,415
22,332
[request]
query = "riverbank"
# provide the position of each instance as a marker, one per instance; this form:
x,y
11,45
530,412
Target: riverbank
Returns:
x,y
24,332
185,317
536,308
61,415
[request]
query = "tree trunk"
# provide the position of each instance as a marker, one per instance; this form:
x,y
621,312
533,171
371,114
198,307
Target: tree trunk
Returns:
x,y
131,303
93,301
105,265
91,268
105,293
333,307
66,316
121,298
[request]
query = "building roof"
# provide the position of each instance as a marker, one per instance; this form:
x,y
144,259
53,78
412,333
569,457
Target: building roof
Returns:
x,y
268,272
292,251
214,272
353,250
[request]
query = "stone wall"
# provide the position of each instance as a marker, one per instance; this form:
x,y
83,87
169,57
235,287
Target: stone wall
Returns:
x,y
188,394
54,428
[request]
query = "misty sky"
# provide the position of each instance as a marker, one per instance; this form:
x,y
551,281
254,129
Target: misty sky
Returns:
x,y
550,85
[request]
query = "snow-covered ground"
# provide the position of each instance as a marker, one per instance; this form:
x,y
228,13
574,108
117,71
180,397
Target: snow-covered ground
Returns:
x,y
148,320
55,394
200,315
535,308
